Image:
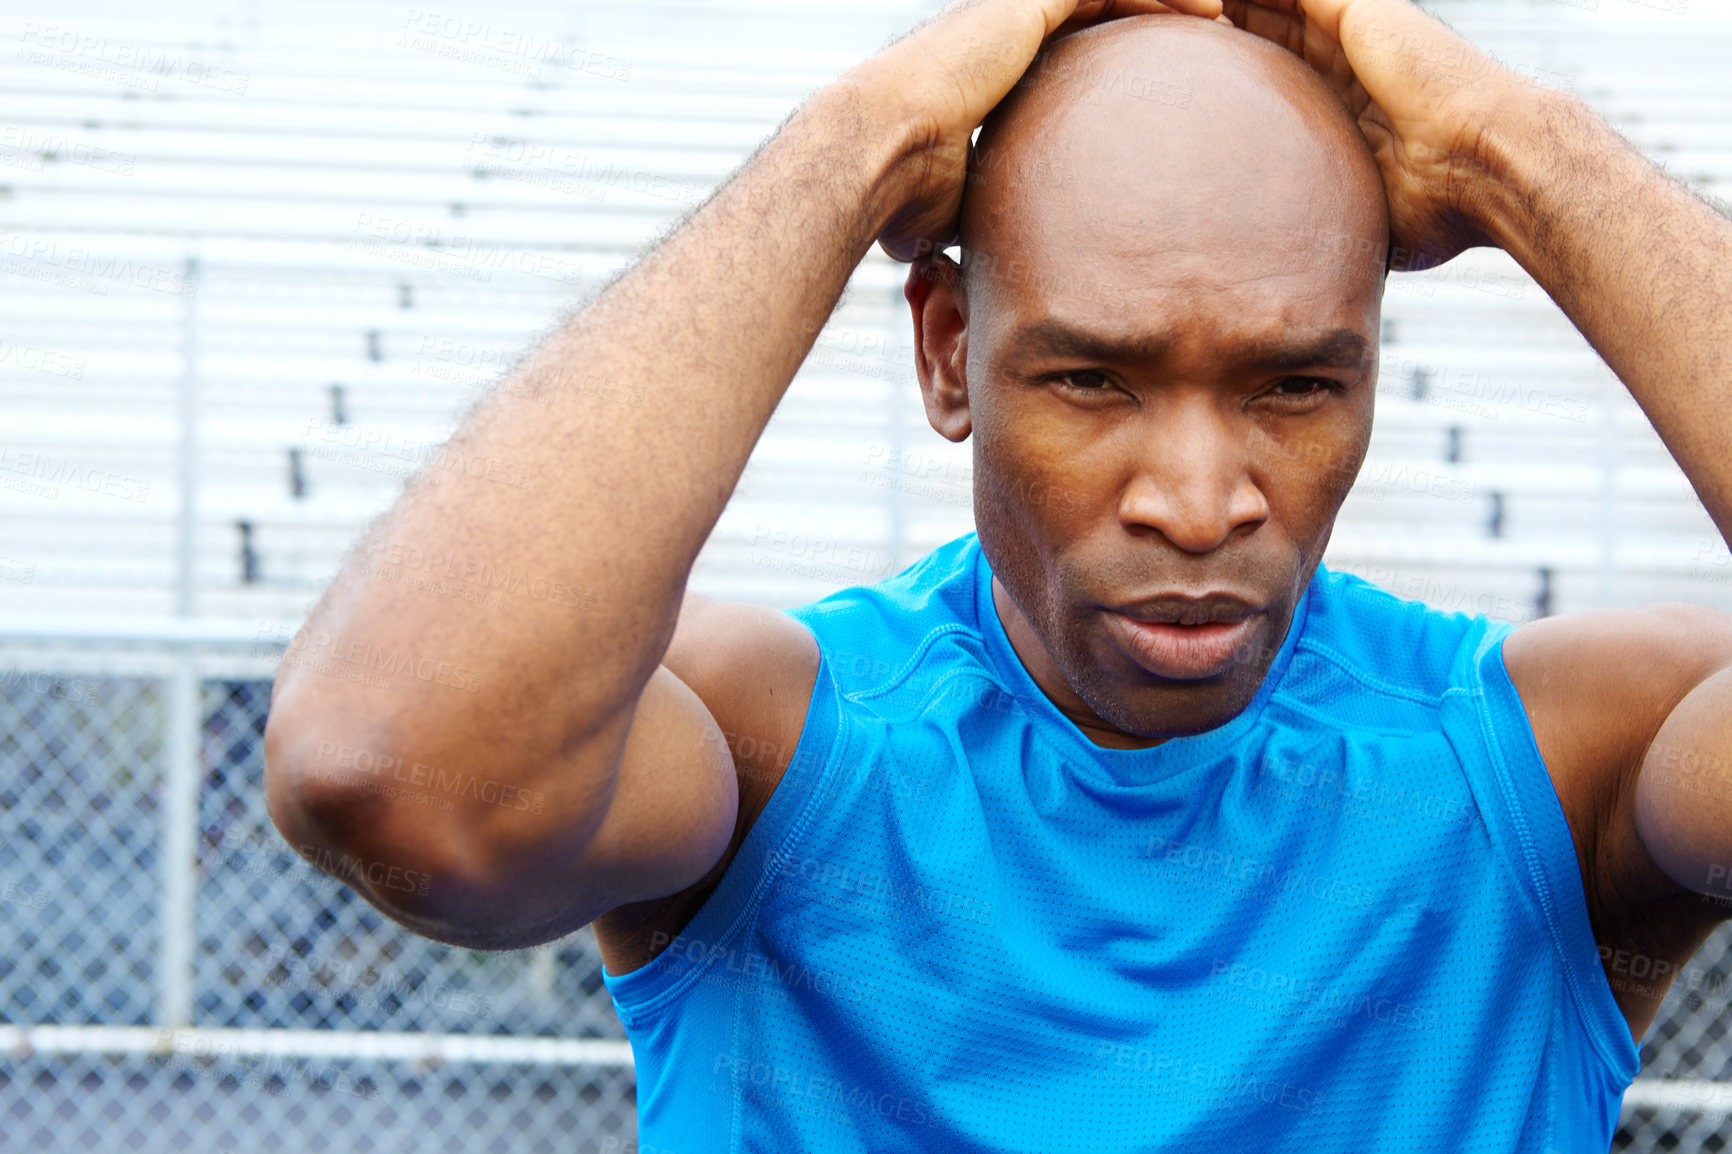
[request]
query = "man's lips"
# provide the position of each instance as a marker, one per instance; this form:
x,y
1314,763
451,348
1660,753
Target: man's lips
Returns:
x,y
1154,637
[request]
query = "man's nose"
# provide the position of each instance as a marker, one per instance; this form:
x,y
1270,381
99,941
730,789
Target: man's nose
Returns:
x,y
1191,478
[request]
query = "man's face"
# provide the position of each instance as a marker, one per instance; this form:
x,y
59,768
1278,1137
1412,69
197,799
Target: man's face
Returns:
x,y
1165,348
1162,437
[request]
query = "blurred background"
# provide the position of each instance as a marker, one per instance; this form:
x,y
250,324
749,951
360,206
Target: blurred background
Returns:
x,y
258,258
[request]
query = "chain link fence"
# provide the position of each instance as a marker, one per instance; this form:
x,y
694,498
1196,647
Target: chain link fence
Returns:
x,y
1683,1098
175,977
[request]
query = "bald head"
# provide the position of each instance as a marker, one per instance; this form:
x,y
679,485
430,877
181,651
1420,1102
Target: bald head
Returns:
x,y
1149,137
1165,352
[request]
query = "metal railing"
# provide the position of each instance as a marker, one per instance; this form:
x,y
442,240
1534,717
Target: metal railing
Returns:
x,y
174,976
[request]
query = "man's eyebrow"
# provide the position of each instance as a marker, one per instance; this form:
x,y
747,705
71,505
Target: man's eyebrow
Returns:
x,y
1053,338
1332,348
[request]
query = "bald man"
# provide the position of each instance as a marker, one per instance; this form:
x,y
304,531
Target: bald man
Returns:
x,y
1122,823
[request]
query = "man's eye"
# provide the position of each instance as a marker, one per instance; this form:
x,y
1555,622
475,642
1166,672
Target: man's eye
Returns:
x,y
1086,380
1300,388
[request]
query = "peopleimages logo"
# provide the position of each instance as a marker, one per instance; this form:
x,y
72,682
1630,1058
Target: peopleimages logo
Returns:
x,y
40,360
50,472
135,65
375,873
77,267
24,893
747,965
309,649
1332,1000
506,49
188,1052
485,574
806,1088
361,761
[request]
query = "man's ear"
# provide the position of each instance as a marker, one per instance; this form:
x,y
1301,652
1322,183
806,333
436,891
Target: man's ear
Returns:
x,y
934,292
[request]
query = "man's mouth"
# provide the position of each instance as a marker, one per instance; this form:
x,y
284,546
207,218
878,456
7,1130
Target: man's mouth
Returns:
x,y
1186,638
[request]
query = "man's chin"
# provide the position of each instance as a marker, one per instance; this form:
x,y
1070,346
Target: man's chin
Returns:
x,y
1145,705
1170,724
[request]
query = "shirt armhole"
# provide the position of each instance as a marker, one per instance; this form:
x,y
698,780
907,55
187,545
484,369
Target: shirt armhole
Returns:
x,y
727,913
1531,828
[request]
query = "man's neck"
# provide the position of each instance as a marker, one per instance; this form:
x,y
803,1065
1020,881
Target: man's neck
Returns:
x,y
1046,674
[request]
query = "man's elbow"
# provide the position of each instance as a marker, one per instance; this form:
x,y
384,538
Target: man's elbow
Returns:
x,y
310,797
341,811
352,816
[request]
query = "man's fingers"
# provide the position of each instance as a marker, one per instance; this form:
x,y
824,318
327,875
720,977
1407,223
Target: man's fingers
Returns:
x,y
1349,87
1286,7
1281,28
1095,12
1286,27
1112,9
1207,8
1324,14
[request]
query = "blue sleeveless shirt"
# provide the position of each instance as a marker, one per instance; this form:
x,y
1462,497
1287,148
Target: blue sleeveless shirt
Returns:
x,y
1350,919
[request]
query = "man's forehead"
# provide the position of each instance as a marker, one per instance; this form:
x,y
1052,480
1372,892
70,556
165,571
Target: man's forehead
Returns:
x,y
1099,259
1318,303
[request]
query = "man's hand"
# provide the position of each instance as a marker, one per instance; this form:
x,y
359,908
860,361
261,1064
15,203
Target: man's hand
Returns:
x,y
1423,97
1473,153
636,420
1628,707
945,76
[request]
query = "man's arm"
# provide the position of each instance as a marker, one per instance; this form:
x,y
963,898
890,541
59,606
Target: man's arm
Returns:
x,y
1644,270
1473,153
1642,266
1632,709
591,479
1614,698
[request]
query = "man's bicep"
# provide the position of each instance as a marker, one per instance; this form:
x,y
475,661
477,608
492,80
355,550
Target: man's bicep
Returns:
x,y
674,803
1603,689
1683,803
754,669
715,727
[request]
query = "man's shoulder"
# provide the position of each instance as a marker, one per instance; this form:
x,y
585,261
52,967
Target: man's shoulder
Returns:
x,y
1359,635
869,635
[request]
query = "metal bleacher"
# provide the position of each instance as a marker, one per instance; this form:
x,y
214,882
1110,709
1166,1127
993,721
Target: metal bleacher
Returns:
x,y
257,258
303,239
309,267
1574,501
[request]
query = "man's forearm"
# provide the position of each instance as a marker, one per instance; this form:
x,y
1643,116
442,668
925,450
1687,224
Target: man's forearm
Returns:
x,y
1641,266
629,429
